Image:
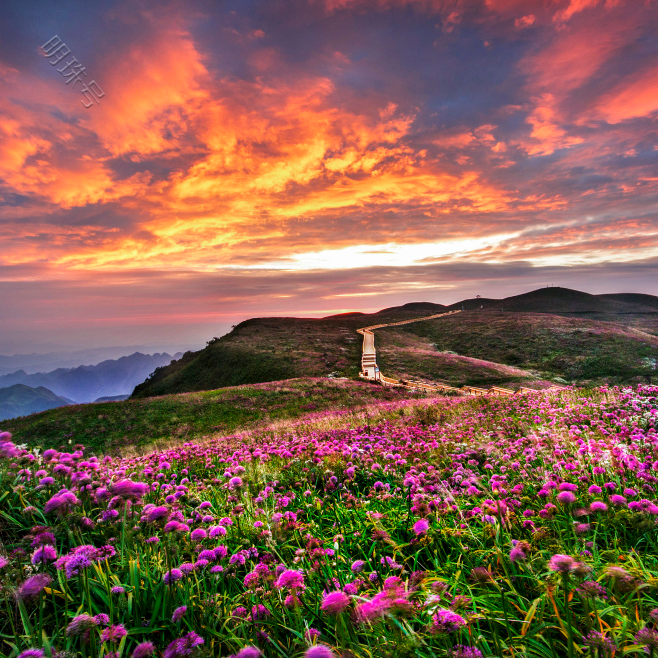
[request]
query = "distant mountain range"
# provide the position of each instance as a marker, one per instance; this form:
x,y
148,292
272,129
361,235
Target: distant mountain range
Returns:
x,y
21,400
108,379
66,358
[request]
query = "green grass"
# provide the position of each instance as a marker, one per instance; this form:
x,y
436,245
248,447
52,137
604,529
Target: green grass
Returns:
x,y
578,350
110,426
403,355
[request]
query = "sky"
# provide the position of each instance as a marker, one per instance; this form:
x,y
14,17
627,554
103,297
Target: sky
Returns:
x,y
168,169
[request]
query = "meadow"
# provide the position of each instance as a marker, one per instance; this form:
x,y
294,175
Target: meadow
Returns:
x,y
111,427
520,526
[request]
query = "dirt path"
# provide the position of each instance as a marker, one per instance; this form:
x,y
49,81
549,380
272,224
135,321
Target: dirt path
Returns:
x,y
370,369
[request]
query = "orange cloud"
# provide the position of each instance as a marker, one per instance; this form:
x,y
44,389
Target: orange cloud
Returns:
x,y
153,90
576,6
41,154
524,22
547,136
631,99
572,58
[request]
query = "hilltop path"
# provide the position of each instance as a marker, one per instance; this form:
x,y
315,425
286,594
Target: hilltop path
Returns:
x,y
370,370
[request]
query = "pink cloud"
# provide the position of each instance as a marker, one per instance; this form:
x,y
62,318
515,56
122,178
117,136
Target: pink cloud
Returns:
x,y
631,99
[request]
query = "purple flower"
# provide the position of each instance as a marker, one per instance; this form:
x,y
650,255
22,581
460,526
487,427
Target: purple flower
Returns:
x,y
319,651
562,563
102,619
176,526
179,613
517,555
596,640
259,612
334,602
117,589
566,497
291,579
592,590
463,651
446,621
33,586
647,637
75,564
598,506
251,580
113,633
129,489
80,624
32,653
184,646
421,526
144,650
61,503
44,554
43,538
248,652
198,534
156,514
172,576
357,566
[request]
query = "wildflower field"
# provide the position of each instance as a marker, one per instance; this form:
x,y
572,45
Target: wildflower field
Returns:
x,y
520,526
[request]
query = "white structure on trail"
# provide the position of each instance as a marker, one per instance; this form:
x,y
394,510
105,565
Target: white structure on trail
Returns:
x,y
369,366
370,370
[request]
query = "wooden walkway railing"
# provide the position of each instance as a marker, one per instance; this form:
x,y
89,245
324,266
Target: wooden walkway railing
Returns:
x,y
370,370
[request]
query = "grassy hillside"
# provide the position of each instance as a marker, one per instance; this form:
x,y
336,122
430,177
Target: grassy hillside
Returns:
x,y
107,427
547,333
572,348
268,349
404,355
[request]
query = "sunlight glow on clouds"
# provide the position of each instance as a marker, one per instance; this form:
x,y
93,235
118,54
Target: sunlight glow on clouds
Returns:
x,y
335,135
383,255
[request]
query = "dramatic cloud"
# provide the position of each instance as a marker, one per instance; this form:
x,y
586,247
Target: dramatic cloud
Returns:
x,y
352,145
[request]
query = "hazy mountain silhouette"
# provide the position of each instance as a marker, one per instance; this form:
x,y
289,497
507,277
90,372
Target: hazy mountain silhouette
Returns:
x,y
88,383
21,400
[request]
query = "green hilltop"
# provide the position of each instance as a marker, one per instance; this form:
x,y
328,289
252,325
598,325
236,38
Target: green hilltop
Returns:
x,y
552,334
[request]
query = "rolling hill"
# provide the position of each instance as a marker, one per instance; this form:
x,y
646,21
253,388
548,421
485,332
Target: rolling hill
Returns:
x,y
546,334
20,400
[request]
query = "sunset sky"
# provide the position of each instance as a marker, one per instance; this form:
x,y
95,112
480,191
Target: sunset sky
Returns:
x,y
309,157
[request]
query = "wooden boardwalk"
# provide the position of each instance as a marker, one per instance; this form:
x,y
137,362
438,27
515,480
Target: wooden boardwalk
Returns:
x,y
370,370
